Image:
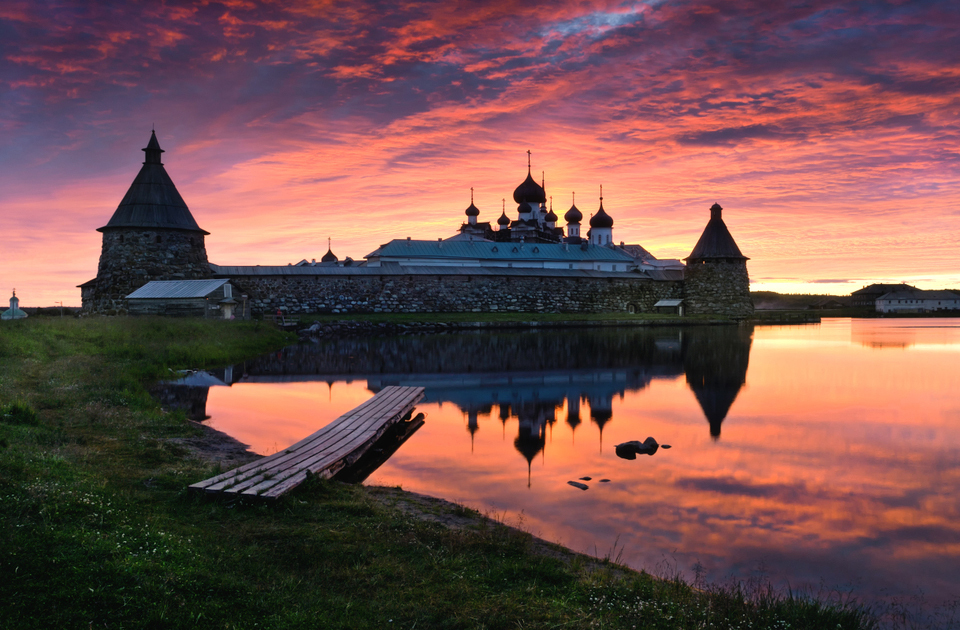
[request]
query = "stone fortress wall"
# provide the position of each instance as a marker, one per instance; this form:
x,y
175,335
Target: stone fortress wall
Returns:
x,y
130,258
721,287
451,293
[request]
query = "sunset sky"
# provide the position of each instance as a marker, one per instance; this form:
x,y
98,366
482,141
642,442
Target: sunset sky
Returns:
x,y
828,131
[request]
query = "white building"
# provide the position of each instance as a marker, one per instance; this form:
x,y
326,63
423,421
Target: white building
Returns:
x,y
918,301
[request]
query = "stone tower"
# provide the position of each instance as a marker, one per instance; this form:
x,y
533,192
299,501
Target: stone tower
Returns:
x,y
151,236
716,280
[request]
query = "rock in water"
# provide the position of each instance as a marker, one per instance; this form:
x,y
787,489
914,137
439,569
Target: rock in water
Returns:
x,y
585,478
577,484
630,450
665,446
604,481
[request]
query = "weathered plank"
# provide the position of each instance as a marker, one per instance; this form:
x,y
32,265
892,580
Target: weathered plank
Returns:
x,y
322,453
321,438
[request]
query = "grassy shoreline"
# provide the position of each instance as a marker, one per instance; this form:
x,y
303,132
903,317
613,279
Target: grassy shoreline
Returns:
x,y
99,530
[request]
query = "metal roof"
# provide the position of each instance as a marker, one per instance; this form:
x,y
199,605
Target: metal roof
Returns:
x,y
168,289
665,274
479,250
884,288
152,201
668,303
919,294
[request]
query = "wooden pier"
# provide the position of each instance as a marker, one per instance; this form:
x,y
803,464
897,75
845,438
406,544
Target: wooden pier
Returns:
x,y
324,453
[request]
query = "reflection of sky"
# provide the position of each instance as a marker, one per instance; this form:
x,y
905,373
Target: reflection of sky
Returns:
x,y
838,460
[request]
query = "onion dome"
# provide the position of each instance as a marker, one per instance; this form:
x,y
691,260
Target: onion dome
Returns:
x,y
573,215
329,256
472,210
551,216
601,219
716,240
504,220
152,201
524,207
529,191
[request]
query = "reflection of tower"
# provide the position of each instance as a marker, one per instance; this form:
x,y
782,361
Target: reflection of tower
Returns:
x,y
191,399
550,417
715,361
531,434
504,416
472,425
601,410
573,412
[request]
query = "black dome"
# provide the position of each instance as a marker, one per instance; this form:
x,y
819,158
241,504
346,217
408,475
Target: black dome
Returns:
x,y
551,216
529,192
573,215
504,219
329,256
472,210
601,219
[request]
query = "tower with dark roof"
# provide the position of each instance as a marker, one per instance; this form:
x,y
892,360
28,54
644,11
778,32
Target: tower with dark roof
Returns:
x,y
601,226
716,280
573,217
151,236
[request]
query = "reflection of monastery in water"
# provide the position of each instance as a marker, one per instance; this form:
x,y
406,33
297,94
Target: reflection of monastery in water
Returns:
x,y
538,379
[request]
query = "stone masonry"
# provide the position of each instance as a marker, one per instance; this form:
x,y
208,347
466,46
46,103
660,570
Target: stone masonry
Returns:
x,y
130,258
454,293
718,287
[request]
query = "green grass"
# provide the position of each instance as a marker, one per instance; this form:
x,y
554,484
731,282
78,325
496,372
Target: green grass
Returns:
x,y
100,532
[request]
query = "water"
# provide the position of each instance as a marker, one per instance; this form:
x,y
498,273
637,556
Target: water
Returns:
x,y
826,457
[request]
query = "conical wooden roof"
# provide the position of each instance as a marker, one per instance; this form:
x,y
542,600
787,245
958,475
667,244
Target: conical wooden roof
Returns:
x,y
152,200
716,241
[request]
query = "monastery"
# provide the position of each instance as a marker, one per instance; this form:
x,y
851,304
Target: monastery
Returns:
x,y
154,260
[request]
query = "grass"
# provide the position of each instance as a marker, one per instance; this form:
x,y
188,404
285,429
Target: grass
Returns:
x,y
99,531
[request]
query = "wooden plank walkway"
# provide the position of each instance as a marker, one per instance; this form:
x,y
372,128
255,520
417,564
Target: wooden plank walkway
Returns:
x,y
324,453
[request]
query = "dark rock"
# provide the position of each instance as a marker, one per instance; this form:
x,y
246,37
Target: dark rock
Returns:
x,y
665,446
604,481
630,450
577,484
585,478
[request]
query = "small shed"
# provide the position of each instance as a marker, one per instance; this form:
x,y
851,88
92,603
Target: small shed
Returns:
x,y
185,298
674,307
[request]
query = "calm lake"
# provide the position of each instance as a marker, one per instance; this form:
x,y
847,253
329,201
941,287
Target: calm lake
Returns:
x,y
823,457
